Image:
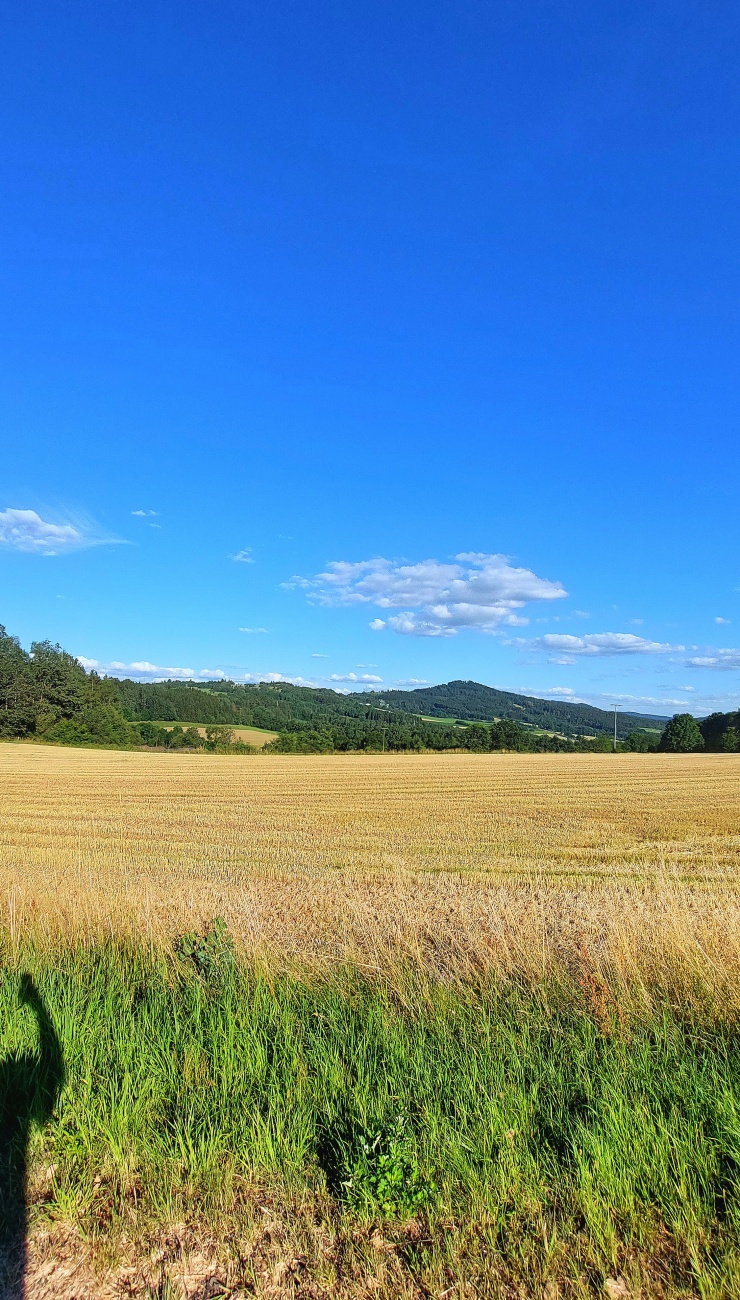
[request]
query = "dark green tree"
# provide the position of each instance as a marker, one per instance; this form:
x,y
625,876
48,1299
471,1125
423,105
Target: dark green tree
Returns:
x,y
600,745
476,737
151,734
16,700
639,742
730,741
59,686
681,735
507,734
719,731
103,690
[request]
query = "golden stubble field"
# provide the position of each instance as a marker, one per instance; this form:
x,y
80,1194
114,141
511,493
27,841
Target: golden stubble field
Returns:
x,y
461,859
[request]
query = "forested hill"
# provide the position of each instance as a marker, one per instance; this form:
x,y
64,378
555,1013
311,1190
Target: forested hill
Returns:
x,y
46,694
473,702
280,706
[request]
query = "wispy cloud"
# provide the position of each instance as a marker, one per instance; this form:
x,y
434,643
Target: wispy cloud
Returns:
x,y
722,659
659,702
607,699
244,557
478,591
721,620
564,649
145,514
253,629
25,530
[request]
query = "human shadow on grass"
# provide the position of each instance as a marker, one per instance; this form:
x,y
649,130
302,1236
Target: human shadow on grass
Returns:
x,y
30,1083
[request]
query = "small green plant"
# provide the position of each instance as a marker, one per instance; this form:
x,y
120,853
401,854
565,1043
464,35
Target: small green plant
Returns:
x,y
211,952
386,1173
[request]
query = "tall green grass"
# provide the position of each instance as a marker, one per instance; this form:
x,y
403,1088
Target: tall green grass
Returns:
x,y
532,1133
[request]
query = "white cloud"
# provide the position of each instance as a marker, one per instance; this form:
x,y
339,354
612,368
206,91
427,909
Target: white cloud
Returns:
x,y
145,514
255,678
144,671
726,659
477,591
632,701
607,699
252,629
676,698
244,557
409,624
564,648
25,530
352,677
412,681
722,620
319,656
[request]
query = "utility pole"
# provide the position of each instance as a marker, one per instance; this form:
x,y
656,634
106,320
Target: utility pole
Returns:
x,y
616,706
372,716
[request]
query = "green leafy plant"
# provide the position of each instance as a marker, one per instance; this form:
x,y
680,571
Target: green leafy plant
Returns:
x,y
385,1171
211,951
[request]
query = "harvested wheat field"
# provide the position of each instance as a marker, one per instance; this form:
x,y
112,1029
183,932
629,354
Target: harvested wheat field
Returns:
x,y
256,736
469,1028
493,858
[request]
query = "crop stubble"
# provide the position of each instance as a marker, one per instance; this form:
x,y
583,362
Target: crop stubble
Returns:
x,y
457,861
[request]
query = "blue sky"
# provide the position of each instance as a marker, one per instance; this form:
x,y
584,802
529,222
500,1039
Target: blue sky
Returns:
x,y
405,336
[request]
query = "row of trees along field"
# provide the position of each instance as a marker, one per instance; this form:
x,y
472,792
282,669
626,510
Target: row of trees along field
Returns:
x,y
45,693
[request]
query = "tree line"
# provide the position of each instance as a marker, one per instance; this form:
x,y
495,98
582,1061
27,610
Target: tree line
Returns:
x,y
45,693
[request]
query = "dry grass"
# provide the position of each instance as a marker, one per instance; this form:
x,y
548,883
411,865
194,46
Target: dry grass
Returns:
x,y
459,861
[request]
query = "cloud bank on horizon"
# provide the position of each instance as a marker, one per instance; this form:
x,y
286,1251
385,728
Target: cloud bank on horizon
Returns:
x,y
142,670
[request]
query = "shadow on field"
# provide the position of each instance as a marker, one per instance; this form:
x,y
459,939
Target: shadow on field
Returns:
x,y
29,1086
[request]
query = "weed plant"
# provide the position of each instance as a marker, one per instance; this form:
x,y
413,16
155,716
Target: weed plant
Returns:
x,y
533,1134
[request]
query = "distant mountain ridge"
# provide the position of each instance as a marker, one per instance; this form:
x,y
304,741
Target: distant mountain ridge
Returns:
x,y
277,705
473,702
